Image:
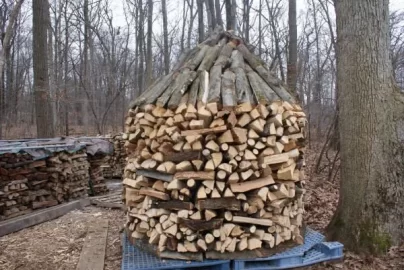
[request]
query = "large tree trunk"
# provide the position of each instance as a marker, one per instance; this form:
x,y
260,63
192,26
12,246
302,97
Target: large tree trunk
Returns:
x,y
230,15
292,60
201,31
6,45
40,61
165,35
370,213
149,53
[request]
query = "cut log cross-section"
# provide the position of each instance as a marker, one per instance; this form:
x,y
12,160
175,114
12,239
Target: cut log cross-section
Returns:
x,y
216,147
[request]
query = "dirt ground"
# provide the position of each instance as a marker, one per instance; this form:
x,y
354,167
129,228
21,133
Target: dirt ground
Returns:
x,y
57,244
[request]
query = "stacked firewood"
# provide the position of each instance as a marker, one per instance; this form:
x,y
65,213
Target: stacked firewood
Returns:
x,y
23,185
117,161
97,184
78,182
69,175
215,156
209,180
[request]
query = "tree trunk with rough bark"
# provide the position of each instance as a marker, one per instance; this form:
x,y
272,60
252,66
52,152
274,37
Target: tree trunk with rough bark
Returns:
x,y
201,31
149,56
40,61
370,213
6,45
165,34
292,59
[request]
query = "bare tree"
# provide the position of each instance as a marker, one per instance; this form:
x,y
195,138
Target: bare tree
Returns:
x,y
292,59
230,14
165,36
370,211
219,20
40,60
149,56
5,42
201,31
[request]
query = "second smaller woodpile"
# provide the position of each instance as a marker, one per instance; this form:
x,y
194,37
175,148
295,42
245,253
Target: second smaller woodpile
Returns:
x,y
23,186
118,159
27,184
97,184
68,175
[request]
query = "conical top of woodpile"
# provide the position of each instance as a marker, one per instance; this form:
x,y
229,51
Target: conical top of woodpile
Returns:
x,y
222,69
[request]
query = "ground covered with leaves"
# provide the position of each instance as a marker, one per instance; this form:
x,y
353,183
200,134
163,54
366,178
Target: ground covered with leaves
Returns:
x,y
321,201
57,244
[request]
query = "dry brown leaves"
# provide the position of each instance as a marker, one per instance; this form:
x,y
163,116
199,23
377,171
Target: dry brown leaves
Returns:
x,y
321,202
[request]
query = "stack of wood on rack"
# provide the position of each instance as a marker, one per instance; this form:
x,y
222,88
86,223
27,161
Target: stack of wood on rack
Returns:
x,y
23,187
215,157
69,175
97,184
117,161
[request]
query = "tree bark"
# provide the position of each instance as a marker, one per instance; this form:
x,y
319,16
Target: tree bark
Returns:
x,y
292,59
246,20
230,15
370,213
165,34
6,40
219,19
149,56
210,12
40,61
201,31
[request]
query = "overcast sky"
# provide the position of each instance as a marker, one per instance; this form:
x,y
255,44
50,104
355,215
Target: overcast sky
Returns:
x,y
174,8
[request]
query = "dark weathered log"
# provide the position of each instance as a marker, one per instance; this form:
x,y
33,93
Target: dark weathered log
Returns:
x,y
215,81
199,56
181,156
201,225
229,97
186,57
225,54
259,66
181,83
155,175
173,205
153,92
262,91
251,59
210,57
178,93
275,84
231,204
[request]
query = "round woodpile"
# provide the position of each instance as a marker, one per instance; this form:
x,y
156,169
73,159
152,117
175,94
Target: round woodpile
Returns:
x,y
215,156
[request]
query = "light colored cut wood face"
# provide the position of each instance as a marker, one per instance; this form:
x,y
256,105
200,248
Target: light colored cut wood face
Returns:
x,y
215,157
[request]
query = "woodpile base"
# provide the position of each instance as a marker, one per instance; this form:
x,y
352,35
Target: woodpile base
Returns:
x,y
204,180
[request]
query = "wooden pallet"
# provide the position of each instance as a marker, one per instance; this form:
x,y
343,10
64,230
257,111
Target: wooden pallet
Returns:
x,y
111,200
